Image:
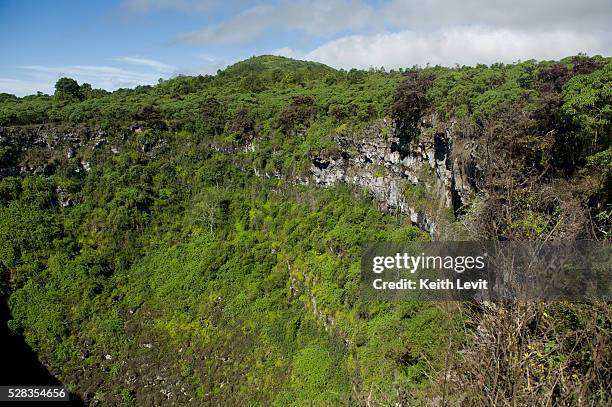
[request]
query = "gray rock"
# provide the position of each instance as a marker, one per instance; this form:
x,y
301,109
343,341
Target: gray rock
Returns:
x,y
384,164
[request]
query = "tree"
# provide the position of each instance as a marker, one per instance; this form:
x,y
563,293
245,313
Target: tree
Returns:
x,y
88,92
4,97
410,102
356,76
243,125
213,116
253,83
68,89
587,103
298,114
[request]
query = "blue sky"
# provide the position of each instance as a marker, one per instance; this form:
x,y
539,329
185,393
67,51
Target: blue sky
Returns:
x,y
124,43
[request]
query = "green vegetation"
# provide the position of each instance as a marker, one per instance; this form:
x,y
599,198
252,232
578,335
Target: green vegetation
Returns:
x,y
214,279
185,258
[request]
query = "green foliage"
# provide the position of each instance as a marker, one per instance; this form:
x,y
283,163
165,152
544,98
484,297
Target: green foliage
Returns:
x,y
128,396
588,105
206,268
68,89
173,254
264,85
310,372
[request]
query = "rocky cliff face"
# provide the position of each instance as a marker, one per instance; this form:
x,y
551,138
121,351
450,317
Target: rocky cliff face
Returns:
x,y
420,177
40,149
387,165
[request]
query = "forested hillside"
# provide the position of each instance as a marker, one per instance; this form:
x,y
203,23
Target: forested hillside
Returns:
x,y
198,242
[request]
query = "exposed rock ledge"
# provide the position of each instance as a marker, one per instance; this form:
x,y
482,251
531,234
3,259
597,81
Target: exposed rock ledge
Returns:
x,y
381,160
385,163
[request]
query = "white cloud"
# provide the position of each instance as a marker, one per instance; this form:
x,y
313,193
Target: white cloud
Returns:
x,y
158,66
287,52
463,45
527,14
405,32
318,18
327,18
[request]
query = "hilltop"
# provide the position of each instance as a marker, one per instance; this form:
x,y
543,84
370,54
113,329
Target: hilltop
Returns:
x,y
263,64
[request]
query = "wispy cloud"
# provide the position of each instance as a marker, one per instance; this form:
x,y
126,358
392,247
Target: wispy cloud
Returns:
x,y
208,58
22,87
158,66
93,73
43,77
35,78
319,18
182,5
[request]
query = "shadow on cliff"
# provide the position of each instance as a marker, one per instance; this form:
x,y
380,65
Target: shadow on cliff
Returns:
x,y
20,365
